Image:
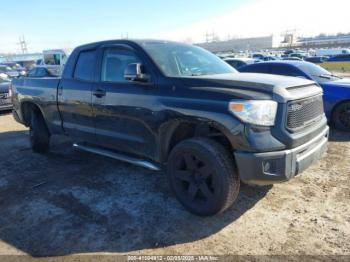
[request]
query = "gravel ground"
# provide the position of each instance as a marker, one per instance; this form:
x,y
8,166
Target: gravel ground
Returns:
x,y
70,202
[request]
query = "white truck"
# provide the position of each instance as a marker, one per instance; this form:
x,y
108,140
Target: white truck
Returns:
x,y
54,60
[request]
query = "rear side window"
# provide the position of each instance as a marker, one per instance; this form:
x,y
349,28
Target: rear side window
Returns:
x,y
84,69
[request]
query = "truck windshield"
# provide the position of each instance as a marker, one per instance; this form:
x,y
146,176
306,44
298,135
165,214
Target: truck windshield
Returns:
x,y
318,73
177,60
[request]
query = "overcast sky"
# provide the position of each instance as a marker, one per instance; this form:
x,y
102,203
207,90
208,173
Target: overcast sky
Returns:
x,y
66,23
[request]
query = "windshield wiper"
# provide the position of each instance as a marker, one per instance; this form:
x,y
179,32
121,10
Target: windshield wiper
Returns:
x,y
327,76
336,76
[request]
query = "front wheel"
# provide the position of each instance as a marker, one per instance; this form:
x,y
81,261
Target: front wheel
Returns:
x,y
203,176
39,134
341,116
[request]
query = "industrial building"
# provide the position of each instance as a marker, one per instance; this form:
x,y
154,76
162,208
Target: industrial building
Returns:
x,y
243,44
339,40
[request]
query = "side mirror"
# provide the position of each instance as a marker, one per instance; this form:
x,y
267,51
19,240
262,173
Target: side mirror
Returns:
x,y
133,72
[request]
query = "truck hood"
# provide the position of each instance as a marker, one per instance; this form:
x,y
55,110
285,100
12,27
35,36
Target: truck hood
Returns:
x,y
256,86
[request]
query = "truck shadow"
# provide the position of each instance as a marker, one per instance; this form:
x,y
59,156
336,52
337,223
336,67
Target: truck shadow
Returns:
x,y
68,202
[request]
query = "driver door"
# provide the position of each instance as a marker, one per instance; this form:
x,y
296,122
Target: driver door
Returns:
x,y
123,109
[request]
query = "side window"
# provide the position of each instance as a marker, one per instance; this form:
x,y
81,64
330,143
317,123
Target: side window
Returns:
x,y
41,72
255,68
32,72
240,64
114,64
84,68
232,63
285,70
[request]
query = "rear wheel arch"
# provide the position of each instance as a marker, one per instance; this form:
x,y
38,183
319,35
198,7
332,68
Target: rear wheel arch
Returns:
x,y
27,109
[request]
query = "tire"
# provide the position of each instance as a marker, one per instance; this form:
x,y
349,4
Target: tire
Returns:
x,y
39,134
203,176
341,116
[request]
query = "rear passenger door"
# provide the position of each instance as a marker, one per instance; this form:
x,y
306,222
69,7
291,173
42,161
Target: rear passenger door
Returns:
x,y
74,98
123,109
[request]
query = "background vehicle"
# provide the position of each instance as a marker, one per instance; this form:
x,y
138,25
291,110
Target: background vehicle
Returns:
x,y
40,71
3,76
336,91
317,59
5,100
270,58
17,67
332,52
239,62
158,103
301,55
39,62
258,56
290,58
340,63
8,71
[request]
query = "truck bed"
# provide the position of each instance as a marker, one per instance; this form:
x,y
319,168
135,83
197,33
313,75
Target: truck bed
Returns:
x,y
42,91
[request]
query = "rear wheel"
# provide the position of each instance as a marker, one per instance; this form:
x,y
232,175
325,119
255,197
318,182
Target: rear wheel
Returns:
x,y
38,133
203,176
341,116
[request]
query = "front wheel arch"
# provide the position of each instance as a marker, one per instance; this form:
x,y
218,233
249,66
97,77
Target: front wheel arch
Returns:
x,y
178,130
334,111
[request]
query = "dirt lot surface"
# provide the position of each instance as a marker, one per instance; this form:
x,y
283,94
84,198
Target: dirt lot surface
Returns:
x,y
70,202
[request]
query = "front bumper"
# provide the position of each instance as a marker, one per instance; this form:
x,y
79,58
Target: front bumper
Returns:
x,y
4,107
278,166
5,102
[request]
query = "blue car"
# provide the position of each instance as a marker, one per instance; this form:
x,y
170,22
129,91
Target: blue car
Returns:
x,y
336,90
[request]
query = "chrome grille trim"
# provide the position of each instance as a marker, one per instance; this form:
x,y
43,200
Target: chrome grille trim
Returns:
x,y
304,112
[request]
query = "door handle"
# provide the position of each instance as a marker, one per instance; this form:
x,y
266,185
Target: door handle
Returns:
x,y
99,93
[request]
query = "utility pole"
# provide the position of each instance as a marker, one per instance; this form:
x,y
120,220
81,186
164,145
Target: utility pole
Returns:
x,y
206,36
23,44
126,36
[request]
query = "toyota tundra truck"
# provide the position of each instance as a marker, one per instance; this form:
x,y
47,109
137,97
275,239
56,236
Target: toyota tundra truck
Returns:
x,y
167,105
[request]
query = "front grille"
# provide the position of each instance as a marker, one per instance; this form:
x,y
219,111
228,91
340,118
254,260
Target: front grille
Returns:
x,y
305,112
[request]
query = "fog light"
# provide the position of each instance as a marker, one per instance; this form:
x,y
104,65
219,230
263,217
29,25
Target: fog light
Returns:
x,y
267,166
270,166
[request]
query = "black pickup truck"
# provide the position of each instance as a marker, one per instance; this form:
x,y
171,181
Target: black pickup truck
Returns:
x,y
164,104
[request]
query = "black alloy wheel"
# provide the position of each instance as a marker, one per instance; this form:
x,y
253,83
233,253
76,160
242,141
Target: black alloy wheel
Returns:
x,y
341,116
203,176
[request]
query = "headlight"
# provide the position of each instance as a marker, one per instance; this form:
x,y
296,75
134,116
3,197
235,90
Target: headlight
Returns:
x,y
256,112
